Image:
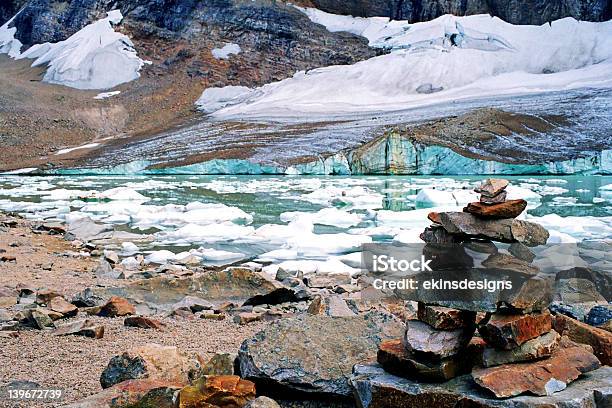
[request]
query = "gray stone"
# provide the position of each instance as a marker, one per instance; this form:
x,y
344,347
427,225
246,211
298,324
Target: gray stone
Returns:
x,y
262,402
507,263
314,354
375,388
492,187
472,226
529,233
422,338
534,349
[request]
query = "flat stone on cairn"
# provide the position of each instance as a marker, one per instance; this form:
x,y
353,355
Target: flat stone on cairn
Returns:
x,y
433,347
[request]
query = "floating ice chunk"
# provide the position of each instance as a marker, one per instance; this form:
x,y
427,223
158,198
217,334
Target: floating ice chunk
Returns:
x,y
213,99
281,233
119,194
106,95
211,254
226,51
330,266
312,245
128,248
410,219
326,216
579,228
278,255
358,197
411,236
160,257
96,57
380,232
354,259
192,233
515,193
71,149
130,263
431,198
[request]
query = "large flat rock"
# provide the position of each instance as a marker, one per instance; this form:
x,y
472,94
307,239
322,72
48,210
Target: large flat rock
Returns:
x,y
375,388
313,356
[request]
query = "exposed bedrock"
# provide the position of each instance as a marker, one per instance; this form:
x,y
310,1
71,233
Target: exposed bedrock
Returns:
x,y
261,25
513,11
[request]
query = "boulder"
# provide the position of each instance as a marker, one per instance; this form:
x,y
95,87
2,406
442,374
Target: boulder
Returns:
x,y
149,361
506,209
510,331
599,315
534,349
40,320
262,402
395,359
492,187
544,377
248,317
227,391
422,338
44,296
331,306
599,339
434,217
85,230
192,304
117,306
143,323
445,318
219,364
85,328
87,298
314,355
375,388
132,393
529,233
60,305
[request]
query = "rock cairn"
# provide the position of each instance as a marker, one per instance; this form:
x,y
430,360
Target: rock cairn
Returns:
x,y
509,346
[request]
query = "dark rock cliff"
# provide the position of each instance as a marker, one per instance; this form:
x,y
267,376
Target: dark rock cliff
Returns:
x,y
513,11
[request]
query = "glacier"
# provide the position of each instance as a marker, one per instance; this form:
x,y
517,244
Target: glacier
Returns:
x,y
96,57
447,59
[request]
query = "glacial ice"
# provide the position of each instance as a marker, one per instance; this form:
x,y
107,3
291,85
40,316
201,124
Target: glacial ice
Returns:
x,y
468,57
8,43
213,99
96,57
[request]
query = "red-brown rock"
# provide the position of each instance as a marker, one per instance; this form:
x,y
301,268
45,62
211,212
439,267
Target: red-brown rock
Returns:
x,y
510,331
599,339
507,209
144,391
543,377
444,318
61,305
228,391
143,323
434,217
117,306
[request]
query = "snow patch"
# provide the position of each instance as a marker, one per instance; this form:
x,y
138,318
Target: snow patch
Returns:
x,y
71,149
105,95
226,51
8,43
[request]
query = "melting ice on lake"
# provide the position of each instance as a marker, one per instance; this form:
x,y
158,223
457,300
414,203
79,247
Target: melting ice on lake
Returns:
x,y
308,223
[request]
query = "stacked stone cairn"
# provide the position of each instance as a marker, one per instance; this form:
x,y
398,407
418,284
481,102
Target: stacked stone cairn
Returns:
x,y
510,346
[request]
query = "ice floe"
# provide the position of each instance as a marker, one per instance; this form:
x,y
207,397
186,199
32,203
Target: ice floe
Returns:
x,y
327,216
